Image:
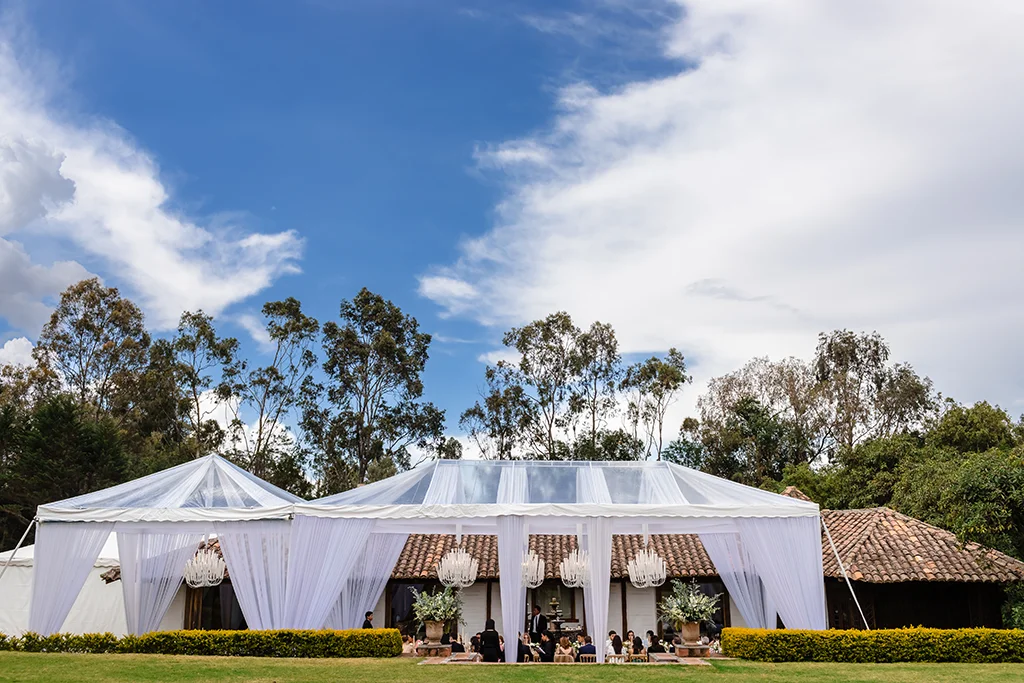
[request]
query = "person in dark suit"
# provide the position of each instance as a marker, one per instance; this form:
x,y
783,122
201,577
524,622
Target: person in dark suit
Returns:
x,y
538,624
368,620
547,647
587,648
456,645
490,644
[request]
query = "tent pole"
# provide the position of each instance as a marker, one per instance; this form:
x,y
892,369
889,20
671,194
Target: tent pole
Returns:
x,y
842,569
16,548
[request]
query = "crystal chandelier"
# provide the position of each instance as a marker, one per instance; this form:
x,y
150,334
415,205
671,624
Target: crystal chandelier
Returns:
x,y
533,570
647,569
457,569
206,568
575,569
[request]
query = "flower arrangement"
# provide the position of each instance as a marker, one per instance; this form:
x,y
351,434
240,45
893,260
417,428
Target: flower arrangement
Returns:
x,y
687,604
444,606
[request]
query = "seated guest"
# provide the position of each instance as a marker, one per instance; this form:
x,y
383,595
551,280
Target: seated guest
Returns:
x,y
490,642
580,641
564,651
501,648
614,646
474,643
524,654
457,645
656,647
587,648
638,646
608,643
547,647
627,642
408,645
367,620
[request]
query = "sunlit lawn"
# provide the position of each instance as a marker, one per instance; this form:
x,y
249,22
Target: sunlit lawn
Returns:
x,y
55,668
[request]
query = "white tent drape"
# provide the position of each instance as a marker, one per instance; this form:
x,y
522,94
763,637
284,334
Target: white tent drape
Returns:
x,y
367,581
322,553
733,564
598,543
511,545
151,572
64,555
256,553
787,556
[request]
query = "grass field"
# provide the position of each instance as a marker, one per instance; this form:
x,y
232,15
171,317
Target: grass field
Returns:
x,y
57,668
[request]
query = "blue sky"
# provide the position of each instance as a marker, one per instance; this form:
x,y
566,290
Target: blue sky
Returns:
x,y
727,178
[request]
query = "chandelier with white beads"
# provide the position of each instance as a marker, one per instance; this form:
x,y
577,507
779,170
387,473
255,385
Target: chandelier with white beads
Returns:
x,y
533,570
457,569
575,569
206,568
647,569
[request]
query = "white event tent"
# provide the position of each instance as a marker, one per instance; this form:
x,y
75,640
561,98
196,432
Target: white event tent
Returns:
x,y
159,521
766,547
297,564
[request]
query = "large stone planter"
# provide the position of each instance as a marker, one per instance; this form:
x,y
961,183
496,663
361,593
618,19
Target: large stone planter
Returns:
x,y
690,632
435,629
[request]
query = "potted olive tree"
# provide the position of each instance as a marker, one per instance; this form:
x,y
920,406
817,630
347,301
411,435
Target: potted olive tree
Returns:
x,y
686,607
436,610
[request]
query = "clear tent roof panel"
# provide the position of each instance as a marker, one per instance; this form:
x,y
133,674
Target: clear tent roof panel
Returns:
x,y
474,488
205,489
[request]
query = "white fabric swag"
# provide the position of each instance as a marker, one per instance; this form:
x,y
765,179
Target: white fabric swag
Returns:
x,y
151,572
786,554
322,554
64,556
256,554
735,567
366,583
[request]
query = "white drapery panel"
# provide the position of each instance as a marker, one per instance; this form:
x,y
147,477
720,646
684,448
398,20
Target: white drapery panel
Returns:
x,y
64,556
152,564
591,486
444,485
257,557
511,546
513,486
322,553
598,543
367,581
733,564
786,553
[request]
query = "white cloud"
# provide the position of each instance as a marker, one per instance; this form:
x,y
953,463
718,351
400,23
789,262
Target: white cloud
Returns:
x,y
17,351
26,286
88,182
819,164
256,328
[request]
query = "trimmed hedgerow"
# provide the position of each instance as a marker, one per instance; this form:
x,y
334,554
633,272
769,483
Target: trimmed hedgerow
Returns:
x,y
972,645
284,643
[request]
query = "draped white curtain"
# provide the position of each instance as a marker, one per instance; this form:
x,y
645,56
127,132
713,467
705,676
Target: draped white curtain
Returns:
x,y
322,554
366,583
64,556
511,546
256,553
786,552
733,564
152,564
444,484
598,543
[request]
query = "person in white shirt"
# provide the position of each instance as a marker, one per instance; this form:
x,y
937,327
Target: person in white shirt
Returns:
x,y
608,643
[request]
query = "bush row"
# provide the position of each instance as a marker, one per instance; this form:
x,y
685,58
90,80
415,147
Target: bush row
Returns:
x,y
285,643
886,645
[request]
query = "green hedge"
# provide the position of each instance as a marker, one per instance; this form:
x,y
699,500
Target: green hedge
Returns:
x,y
974,645
355,643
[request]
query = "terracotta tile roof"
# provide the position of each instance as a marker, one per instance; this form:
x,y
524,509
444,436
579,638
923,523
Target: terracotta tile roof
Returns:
x,y
880,545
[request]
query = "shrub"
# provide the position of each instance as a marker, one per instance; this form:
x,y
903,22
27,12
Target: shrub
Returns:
x,y
283,643
974,645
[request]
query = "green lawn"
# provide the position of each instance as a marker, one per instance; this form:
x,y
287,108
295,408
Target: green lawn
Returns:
x,y
55,668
